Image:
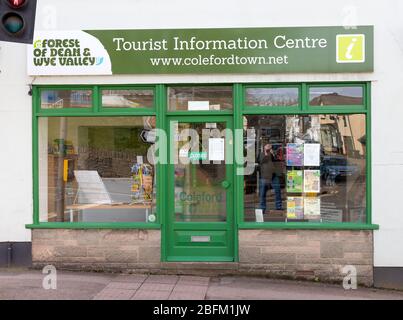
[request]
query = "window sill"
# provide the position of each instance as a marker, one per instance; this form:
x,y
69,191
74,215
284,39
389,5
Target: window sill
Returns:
x,y
307,226
93,225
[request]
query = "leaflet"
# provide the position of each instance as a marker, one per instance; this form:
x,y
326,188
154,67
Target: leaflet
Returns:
x,y
295,154
294,181
312,207
312,181
312,154
295,208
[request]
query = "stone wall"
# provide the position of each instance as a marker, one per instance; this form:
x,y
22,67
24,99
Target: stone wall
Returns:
x,y
307,254
297,254
97,249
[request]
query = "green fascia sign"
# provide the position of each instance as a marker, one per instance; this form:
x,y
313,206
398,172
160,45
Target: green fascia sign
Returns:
x,y
246,50
214,51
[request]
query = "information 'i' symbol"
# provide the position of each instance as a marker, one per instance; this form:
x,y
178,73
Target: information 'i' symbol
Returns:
x,y
348,54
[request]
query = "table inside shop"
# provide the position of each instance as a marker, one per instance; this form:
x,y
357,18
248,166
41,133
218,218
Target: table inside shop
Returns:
x,y
115,212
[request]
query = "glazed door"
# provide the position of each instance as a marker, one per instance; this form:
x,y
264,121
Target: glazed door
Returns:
x,y
200,190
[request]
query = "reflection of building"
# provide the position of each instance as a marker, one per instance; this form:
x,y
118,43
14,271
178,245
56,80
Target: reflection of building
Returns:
x,y
334,99
340,134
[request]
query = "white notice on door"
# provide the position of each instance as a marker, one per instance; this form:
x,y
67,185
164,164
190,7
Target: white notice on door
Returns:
x,y
198,105
216,149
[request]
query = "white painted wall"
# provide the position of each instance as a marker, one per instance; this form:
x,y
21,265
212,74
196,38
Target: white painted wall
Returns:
x,y
387,109
15,144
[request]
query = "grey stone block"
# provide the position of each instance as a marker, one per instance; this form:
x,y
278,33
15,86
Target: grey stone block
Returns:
x,y
250,255
121,255
149,254
331,249
279,258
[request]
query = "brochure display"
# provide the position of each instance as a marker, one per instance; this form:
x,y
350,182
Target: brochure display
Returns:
x,y
142,185
305,180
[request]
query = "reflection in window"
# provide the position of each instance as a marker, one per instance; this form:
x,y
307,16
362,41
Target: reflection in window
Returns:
x,y
95,170
272,97
307,168
332,96
59,99
133,98
200,98
199,195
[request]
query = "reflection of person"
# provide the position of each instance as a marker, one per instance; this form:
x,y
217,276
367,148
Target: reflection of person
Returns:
x,y
269,177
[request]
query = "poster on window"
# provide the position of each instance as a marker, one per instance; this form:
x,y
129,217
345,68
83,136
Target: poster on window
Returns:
x,y
295,154
294,181
216,149
295,208
312,154
312,208
312,181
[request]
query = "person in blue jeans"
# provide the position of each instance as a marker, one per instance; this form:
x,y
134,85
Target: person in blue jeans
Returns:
x,y
270,172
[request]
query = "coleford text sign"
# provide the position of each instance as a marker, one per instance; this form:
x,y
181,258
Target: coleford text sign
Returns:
x,y
248,50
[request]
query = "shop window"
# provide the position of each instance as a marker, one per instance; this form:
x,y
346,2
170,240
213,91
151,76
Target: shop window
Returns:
x,y
59,99
335,96
308,168
200,98
130,98
95,169
272,97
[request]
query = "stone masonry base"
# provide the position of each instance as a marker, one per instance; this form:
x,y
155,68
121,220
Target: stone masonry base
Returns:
x,y
307,254
294,254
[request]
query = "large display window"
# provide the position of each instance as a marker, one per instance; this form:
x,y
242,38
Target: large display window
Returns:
x,y
308,168
91,163
306,156
300,153
95,169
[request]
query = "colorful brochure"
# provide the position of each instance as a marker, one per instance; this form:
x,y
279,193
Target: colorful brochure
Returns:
x,y
294,181
295,208
295,155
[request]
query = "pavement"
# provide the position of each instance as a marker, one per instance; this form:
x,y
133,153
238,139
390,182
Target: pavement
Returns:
x,y
27,284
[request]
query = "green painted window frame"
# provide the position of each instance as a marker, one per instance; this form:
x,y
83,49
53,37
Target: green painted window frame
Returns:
x,y
161,112
95,111
305,109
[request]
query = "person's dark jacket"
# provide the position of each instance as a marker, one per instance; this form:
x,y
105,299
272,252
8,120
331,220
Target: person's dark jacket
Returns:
x,y
268,167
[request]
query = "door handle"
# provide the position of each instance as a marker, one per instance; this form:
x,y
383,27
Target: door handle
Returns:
x,y
225,184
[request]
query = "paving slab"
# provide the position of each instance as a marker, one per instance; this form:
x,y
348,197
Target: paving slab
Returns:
x,y
115,294
26,284
162,279
151,295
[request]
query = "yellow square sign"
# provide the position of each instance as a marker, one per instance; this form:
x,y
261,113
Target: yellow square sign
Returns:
x,y
350,48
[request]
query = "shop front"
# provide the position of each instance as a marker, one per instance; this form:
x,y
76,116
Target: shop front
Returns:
x,y
250,177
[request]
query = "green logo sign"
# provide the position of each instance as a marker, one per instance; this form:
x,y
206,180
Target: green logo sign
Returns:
x,y
350,48
198,155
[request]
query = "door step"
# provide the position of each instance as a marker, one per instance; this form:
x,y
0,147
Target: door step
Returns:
x,y
200,268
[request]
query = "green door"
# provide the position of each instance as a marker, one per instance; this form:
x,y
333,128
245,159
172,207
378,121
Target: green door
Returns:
x,y
199,224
